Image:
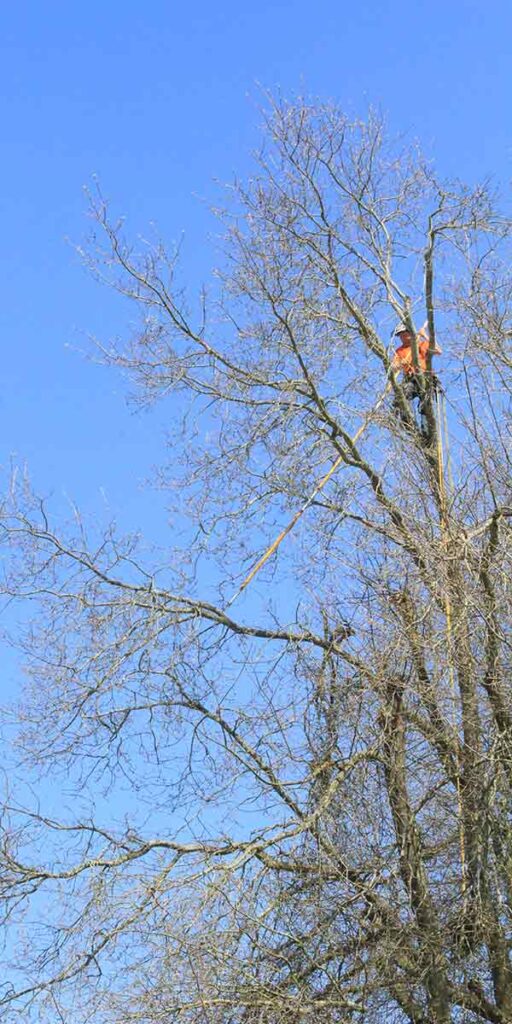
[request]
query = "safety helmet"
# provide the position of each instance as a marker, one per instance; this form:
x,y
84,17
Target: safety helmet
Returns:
x,y
401,328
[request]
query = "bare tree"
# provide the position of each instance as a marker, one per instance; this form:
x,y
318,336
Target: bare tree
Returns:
x,y
297,804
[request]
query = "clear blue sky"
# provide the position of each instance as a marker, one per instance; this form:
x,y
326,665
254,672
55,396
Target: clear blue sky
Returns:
x,y
160,99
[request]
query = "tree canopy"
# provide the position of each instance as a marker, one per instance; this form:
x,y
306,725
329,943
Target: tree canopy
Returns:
x,y
293,801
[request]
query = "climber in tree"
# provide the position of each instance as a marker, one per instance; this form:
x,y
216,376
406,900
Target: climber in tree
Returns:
x,y
403,361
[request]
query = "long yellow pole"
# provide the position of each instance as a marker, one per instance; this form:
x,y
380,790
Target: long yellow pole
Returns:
x,y
320,485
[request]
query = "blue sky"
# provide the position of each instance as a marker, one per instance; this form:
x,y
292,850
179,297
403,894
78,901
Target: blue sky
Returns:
x,y
159,100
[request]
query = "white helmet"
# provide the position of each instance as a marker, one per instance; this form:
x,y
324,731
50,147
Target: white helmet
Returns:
x,y
401,328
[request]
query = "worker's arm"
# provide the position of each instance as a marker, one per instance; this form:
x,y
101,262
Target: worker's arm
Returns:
x,y
423,335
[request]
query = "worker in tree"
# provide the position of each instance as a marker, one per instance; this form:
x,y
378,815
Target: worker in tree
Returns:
x,y
403,361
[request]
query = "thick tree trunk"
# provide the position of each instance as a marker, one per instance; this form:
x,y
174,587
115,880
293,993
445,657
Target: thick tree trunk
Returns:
x,y
431,960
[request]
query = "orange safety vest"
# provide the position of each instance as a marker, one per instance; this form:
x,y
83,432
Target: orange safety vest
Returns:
x,y
403,357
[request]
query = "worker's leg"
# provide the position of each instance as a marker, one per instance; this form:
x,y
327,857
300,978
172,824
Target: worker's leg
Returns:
x,y
437,387
434,389
410,390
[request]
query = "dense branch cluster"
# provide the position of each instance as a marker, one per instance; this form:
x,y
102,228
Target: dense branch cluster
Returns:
x,y
295,806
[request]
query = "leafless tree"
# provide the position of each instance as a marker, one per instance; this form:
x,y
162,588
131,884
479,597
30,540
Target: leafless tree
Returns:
x,y
288,801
